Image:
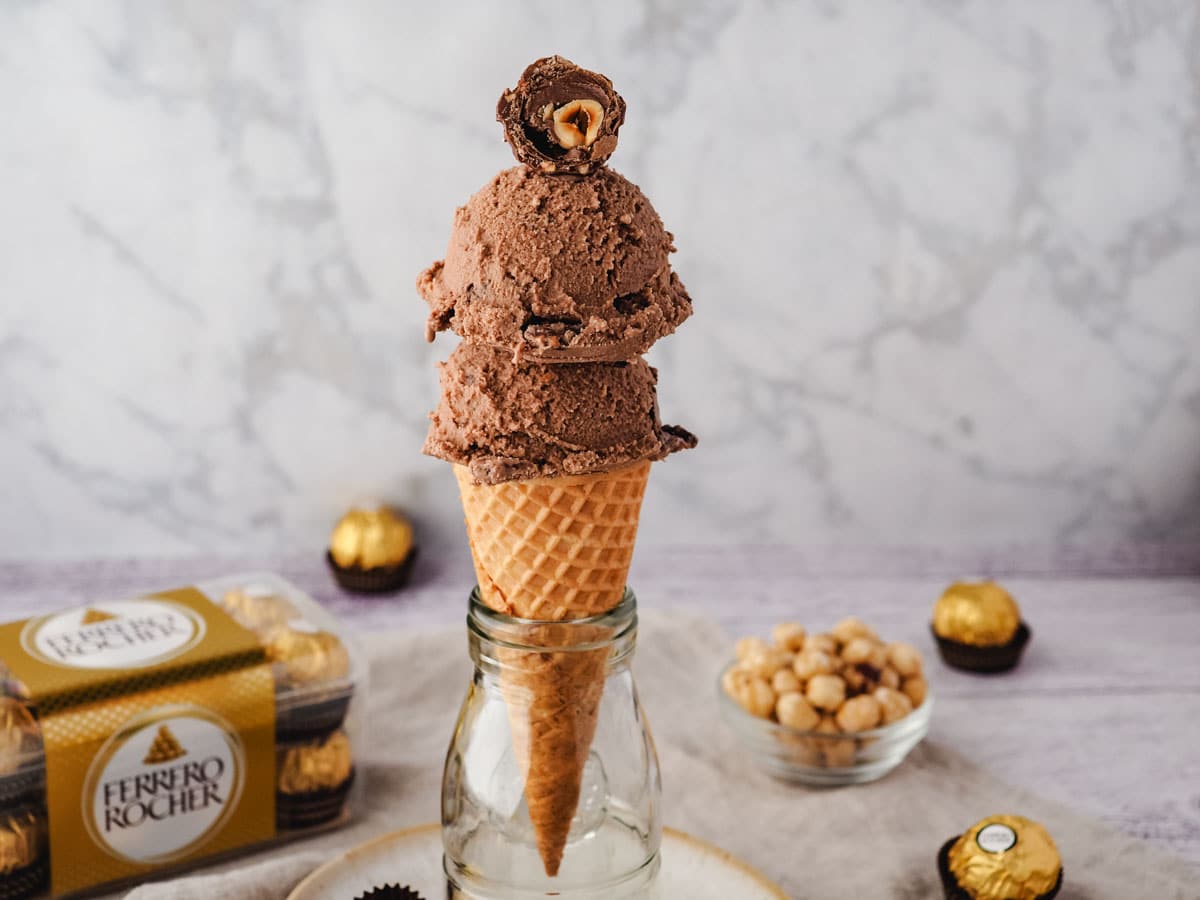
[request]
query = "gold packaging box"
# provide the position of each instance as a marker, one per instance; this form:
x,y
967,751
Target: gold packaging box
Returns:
x,y
145,735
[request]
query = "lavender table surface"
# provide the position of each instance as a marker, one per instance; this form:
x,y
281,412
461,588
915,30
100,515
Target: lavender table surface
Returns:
x,y
1103,714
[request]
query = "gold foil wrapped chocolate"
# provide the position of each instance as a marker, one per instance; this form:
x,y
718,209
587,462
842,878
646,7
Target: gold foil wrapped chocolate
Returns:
x,y
20,736
314,767
11,685
978,613
304,655
1005,858
371,539
22,840
260,610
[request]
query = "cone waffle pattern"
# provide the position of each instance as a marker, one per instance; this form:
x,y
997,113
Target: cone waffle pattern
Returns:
x,y
553,549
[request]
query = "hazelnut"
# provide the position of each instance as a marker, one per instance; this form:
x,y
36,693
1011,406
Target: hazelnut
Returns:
x,y
861,678
748,646
785,682
889,677
789,636
751,693
766,663
826,691
916,688
733,679
836,751
904,658
895,705
824,643
852,627
761,699
794,711
863,650
860,713
813,662
577,124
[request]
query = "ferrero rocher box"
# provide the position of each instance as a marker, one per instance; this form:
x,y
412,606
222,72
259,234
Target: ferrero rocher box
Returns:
x,y
145,734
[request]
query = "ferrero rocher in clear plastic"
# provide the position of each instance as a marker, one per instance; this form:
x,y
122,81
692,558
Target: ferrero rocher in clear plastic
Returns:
x,y
304,655
370,550
1002,857
312,781
978,627
20,736
23,856
319,766
259,609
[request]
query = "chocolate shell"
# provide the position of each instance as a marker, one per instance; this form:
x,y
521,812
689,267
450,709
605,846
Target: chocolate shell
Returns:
x,y
561,119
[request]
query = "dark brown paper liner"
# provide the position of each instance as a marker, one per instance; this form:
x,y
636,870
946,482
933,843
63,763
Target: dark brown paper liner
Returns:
x,y
27,882
985,660
26,785
295,812
954,891
383,580
390,892
312,720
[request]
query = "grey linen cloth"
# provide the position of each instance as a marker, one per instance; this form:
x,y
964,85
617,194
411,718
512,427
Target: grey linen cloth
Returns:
x,y
874,841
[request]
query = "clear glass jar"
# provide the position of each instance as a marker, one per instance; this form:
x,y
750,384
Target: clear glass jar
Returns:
x,y
552,714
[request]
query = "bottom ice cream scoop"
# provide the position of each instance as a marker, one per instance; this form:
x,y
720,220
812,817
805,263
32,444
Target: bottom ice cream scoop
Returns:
x,y
505,421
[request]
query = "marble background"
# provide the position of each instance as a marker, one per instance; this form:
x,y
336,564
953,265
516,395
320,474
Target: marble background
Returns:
x,y
945,258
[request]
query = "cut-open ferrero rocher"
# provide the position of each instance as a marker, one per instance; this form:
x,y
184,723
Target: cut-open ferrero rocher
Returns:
x,y
560,119
576,124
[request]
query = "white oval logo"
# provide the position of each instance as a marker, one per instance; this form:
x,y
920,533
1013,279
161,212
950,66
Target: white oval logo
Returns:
x,y
164,784
122,634
996,838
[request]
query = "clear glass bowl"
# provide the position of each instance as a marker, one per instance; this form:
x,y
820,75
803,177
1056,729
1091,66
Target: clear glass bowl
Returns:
x,y
814,757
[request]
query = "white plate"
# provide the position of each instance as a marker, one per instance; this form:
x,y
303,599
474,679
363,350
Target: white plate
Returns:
x,y
691,869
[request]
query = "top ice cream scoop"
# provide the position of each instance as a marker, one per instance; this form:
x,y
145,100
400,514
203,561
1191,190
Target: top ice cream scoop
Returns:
x,y
557,269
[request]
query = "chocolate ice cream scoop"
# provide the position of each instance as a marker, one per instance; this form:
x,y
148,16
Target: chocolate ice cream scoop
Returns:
x,y
560,269
561,119
507,421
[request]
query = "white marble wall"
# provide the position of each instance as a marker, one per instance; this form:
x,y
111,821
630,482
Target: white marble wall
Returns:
x,y
945,258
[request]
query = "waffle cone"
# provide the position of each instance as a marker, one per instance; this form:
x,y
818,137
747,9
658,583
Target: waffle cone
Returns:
x,y
552,550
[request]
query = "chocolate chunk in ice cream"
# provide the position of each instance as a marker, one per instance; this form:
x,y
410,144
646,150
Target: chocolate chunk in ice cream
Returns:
x,y
507,421
561,119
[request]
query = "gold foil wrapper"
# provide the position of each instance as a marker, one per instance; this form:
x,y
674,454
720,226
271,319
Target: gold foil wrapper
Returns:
x,y
22,840
303,656
11,685
1005,858
20,736
315,767
260,611
979,613
371,539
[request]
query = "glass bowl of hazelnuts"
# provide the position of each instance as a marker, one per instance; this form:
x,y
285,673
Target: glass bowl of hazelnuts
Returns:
x,y
839,707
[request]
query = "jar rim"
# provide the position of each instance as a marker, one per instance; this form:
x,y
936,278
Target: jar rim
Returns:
x,y
504,629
